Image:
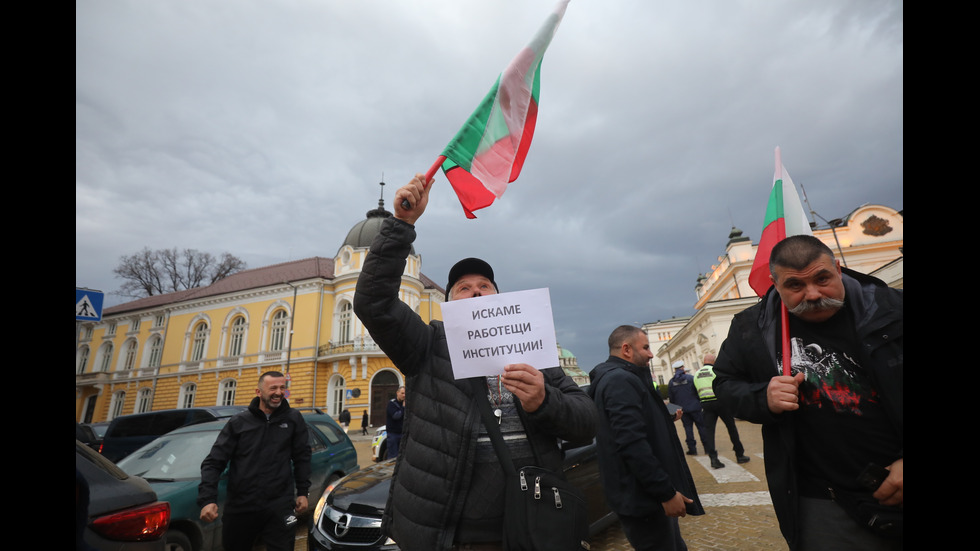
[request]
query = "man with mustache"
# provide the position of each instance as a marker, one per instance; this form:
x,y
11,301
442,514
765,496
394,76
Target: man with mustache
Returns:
x,y
833,428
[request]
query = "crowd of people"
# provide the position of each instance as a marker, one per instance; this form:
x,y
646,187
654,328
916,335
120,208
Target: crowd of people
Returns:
x,y
832,422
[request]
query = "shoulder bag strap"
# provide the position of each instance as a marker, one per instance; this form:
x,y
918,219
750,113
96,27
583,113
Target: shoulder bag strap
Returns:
x,y
480,392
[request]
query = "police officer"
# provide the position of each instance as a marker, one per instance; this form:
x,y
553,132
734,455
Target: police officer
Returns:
x,y
713,410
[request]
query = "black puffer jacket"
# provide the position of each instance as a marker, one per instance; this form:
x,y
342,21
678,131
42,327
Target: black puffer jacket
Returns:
x,y
747,361
435,463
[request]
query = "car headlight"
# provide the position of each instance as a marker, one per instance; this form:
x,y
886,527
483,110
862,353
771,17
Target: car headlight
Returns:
x,y
322,502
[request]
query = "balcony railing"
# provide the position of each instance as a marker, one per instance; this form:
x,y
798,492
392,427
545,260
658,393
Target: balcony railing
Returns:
x,y
334,348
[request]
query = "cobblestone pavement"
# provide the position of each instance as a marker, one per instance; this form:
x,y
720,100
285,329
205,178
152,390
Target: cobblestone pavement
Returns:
x,y
739,514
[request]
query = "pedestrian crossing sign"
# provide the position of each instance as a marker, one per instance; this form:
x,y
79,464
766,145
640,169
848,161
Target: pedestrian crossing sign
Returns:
x,y
88,305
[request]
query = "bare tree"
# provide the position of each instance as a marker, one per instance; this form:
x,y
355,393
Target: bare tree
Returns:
x,y
149,272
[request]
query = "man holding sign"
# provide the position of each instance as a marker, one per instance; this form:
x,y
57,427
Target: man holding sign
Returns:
x,y
447,490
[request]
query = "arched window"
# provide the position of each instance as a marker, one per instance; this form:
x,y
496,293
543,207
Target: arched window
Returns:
x,y
200,342
226,396
129,355
81,360
236,345
116,405
335,395
187,393
143,400
345,322
280,323
106,352
156,351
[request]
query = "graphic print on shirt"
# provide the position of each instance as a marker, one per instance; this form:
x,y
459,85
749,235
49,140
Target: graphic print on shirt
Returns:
x,y
834,379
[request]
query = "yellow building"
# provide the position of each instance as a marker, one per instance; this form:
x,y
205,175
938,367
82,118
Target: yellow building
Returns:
x,y
208,346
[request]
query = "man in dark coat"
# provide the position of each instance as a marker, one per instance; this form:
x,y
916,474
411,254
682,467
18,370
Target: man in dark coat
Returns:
x,y
395,415
839,412
682,393
268,448
641,460
447,489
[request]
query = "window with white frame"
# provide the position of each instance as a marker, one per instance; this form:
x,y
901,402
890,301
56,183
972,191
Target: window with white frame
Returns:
x,y
346,320
129,355
82,360
156,351
187,393
336,402
280,323
116,404
226,395
106,353
200,341
236,345
143,400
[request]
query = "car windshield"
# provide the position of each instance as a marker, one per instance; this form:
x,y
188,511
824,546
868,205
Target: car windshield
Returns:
x,y
171,457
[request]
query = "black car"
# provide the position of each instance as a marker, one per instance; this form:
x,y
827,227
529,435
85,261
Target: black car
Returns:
x,y
128,433
348,516
114,510
91,434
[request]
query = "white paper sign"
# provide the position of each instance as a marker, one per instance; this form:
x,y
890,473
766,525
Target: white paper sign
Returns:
x,y
486,333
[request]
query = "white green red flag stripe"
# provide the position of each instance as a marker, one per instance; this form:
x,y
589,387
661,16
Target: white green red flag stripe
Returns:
x,y
784,217
489,150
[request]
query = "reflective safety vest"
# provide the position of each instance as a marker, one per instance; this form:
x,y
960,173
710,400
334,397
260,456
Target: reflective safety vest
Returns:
x,y
702,381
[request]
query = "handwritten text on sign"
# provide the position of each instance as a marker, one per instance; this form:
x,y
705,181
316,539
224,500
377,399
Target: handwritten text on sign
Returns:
x,y
486,333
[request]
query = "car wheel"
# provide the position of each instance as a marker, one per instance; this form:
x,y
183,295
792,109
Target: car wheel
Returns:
x,y
383,452
175,540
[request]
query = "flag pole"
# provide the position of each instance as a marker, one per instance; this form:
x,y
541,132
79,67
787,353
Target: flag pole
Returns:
x,y
428,176
432,169
784,313
787,350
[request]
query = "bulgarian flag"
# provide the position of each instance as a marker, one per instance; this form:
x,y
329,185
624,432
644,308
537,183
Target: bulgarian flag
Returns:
x,y
489,150
784,217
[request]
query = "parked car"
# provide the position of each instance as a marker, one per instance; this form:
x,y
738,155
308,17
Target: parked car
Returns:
x,y
348,516
91,434
172,466
128,432
121,511
379,446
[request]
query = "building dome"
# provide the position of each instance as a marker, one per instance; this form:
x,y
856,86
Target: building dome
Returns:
x,y
363,233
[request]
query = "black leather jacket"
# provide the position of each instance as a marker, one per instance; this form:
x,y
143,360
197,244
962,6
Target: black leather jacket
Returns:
x,y
435,463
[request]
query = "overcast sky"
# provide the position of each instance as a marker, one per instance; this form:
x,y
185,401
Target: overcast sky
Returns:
x,y
263,127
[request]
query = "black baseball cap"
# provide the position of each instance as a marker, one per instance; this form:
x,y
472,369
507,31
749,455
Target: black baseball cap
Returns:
x,y
469,266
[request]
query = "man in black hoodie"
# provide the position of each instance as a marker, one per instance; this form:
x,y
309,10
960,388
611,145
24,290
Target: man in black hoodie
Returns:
x,y
641,461
268,446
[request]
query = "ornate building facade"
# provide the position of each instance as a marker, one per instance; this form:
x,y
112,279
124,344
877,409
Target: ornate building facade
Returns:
x,y
209,345
869,240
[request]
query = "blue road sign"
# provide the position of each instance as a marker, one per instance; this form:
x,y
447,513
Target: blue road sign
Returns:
x,y
88,305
